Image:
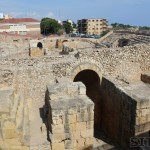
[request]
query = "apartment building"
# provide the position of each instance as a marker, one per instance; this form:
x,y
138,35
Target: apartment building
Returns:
x,y
22,26
92,26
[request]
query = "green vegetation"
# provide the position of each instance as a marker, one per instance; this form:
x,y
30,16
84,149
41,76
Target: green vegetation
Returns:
x,y
49,26
60,31
104,33
119,26
144,28
68,27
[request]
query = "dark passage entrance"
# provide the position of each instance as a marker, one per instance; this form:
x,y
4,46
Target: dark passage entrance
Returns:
x,y
123,42
40,45
92,82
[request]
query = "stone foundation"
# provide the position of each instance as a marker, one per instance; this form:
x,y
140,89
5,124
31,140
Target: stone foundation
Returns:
x,y
70,117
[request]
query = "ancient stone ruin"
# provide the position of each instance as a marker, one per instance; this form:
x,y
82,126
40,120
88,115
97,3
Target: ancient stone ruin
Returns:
x,y
95,96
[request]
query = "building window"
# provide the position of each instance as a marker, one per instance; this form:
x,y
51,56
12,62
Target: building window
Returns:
x,y
93,20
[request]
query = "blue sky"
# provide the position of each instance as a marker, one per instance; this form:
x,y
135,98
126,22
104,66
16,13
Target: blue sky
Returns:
x,y
133,12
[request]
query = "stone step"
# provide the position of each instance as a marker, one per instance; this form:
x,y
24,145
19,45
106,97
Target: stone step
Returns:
x,y
14,108
26,125
20,115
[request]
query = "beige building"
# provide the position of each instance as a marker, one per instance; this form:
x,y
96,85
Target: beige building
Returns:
x,y
22,26
92,26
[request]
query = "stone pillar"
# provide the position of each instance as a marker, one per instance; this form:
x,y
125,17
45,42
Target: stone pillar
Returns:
x,y
70,117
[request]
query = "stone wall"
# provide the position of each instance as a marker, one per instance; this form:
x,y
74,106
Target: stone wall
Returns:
x,y
118,113
71,117
124,114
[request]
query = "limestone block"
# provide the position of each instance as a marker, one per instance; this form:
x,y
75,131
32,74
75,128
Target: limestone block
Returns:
x,y
72,118
80,126
10,133
73,127
90,125
67,128
76,134
81,117
87,133
57,129
142,112
90,108
148,118
9,130
81,142
58,146
140,120
69,144
36,52
72,110
82,89
57,120
57,113
6,100
89,141
59,137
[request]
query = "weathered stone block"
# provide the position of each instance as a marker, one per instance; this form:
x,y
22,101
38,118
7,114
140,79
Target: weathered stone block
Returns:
x,y
76,134
82,89
90,124
81,142
87,133
81,126
82,117
57,138
58,146
89,141
58,129
69,144
72,118
72,110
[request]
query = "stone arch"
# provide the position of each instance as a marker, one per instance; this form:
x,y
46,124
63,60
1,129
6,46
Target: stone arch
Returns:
x,y
85,66
64,41
90,75
123,42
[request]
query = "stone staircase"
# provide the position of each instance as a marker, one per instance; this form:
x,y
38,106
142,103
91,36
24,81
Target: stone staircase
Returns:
x,y
14,127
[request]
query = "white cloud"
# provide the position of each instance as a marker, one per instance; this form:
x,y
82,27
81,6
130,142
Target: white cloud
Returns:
x,y
25,14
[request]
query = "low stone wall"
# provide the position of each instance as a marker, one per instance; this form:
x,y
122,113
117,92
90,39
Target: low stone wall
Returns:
x,y
70,117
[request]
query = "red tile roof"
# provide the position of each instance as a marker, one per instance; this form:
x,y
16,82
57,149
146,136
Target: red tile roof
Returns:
x,y
18,20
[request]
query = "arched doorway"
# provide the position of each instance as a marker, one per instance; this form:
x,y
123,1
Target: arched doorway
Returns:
x,y
123,42
40,45
92,82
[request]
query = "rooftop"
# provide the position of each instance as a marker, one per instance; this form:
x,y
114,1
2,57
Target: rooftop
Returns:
x,y
18,20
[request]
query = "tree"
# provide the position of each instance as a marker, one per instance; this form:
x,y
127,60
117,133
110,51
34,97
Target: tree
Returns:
x,y
60,32
68,27
74,25
49,26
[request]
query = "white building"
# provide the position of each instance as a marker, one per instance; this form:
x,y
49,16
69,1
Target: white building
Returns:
x,y
20,26
1,16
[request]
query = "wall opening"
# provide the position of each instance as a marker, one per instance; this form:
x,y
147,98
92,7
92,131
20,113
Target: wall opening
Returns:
x,y
40,45
123,42
92,82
